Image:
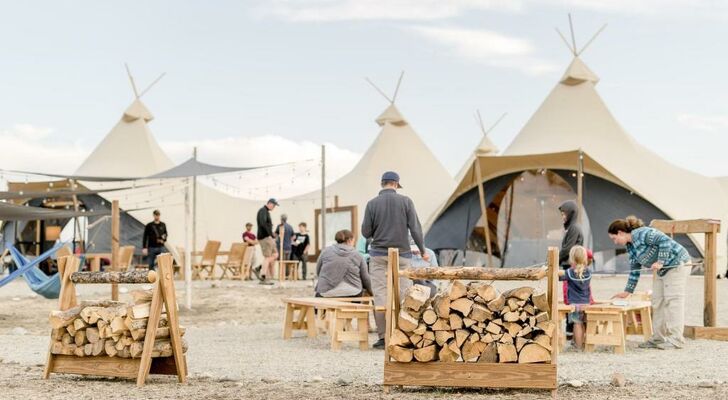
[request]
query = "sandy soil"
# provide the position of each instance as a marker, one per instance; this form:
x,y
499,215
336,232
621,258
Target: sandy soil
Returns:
x,y
236,351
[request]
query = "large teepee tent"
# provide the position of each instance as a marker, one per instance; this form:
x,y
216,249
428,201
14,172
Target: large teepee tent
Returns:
x,y
574,130
398,148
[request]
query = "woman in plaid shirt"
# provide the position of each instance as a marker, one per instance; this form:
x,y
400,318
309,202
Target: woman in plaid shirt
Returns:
x,y
649,248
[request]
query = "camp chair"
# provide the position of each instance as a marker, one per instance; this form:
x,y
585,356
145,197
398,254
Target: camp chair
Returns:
x,y
247,266
234,262
207,262
126,255
46,286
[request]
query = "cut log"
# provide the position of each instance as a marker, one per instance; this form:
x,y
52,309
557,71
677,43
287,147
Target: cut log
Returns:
x,y
543,340
475,273
467,322
532,322
429,335
477,328
66,339
456,290
507,353
512,328
486,292
59,319
119,346
117,326
415,297
163,348
141,296
414,339
136,349
406,322
456,321
511,316
57,347
114,277
540,301
98,347
521,293
480,313
489,354
548,327
80,338
400,354
447,354
474,337
109,348
398,338
525,331
487,338
541,317
441,305
88,349
471,351
69,349
462,305
79,351
523,317
426,354
102,325
108,314
124,353
139,311
493,328
497,321
91,315
429,316
461,335
520,342
530,309
497,303
533,353
506,338
78,324
421,329
441,325
442,337
92,334
511,304
71,329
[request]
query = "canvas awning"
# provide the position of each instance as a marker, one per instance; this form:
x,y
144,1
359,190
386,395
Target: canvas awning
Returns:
x,y
192,167
11,212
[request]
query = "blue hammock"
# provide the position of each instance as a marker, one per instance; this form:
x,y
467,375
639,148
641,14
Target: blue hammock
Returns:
x,y
46,286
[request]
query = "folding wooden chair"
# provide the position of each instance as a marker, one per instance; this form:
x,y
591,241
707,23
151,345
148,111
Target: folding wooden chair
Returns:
x,y
207,262
234,262
247,265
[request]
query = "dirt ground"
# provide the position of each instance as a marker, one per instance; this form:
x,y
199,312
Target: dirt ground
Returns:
x,y
236,351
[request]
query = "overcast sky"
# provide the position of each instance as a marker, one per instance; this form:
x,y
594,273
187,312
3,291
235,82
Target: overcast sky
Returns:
x,y
293,72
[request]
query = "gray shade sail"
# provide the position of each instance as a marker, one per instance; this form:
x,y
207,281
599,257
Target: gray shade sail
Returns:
x,y
61,192
192,167
11,212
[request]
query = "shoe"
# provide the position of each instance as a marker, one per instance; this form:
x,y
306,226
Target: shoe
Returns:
x,y
379,345
649,344
256,271
667,346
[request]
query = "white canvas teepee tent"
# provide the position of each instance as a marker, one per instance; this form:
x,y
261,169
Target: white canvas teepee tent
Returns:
x,y
398,148
573,120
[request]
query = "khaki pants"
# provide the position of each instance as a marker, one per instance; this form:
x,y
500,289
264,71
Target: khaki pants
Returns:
x,y
378,274
668,306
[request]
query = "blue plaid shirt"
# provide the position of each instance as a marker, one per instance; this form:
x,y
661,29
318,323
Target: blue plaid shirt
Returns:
x,y
649,246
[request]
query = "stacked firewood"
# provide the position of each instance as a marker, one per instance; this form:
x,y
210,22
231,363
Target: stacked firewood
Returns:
x,y
111,328
473,323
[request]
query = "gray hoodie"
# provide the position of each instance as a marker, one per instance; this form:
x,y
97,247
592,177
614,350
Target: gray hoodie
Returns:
x,y
572,231
341,272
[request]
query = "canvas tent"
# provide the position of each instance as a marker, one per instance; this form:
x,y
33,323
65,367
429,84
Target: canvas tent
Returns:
x,y
398,148
573,131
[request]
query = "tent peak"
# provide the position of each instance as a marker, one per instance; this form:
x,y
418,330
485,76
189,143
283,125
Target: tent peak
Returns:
x,y
137,110
392,116
578,73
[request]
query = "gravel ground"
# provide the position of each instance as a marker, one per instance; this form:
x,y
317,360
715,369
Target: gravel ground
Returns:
x,y
236,351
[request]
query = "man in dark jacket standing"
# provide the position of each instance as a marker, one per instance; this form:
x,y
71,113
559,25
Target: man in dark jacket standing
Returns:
x,y
389,220
572,237
155,235
266,240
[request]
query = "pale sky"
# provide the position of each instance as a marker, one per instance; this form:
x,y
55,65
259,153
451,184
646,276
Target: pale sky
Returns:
x,y
293,73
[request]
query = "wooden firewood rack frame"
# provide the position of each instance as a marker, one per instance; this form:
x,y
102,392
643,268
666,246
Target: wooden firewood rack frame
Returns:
x,y
468,374
710,228
163,293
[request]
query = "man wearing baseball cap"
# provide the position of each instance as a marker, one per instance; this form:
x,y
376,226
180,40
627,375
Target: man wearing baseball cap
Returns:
x,y
265,238
389,220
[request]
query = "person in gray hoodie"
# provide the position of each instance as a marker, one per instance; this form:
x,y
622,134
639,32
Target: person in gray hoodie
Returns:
x,y
572,237
341,270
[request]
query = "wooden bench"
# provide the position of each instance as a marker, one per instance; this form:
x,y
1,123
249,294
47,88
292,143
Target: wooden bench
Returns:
x,y
608,324
301,315
324,316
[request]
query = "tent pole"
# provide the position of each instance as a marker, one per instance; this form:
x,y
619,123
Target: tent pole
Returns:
x,y
323,197
115,246
194,205
188,246
509,216
483,210
580,185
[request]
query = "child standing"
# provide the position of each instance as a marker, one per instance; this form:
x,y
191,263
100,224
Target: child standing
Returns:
x,y
578,279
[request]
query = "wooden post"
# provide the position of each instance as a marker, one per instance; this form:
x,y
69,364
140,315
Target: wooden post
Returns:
x,y
115,246
188,249
484,210
580,185
281,265
710,307
323,198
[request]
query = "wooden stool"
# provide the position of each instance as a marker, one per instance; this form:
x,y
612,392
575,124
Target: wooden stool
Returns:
x,y
287,270
563,311
605,327
342,328
305,320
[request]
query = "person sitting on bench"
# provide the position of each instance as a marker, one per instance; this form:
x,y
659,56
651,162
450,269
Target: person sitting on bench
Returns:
x,y
341,270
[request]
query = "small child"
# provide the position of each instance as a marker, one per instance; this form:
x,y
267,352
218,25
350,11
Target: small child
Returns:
x,y
578,278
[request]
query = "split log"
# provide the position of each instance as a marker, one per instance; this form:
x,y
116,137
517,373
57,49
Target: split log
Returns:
x,y
477,328
530,309
398,338
471,351
442,337
406,322
69,349
441,305
506,339
468,322
136,349
139,311
71,329
429,335
441,325
114,277
59,319
78,324
542,317
400,354
426,354
520,342
67,339
461,335
489,354
534,353
416,296
510,316
525,331
486,292
109,348
117,326
456,290
91,315
415,339
475,273
124,353
447,354
548,327
88,349
79,351
543,340
480,313
98,347
92,334
497,304
456,321
521,293
507,353
512,328
141,296
80,338
462,305
540,301
421,329
493,328
57,347
474,337
429,316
